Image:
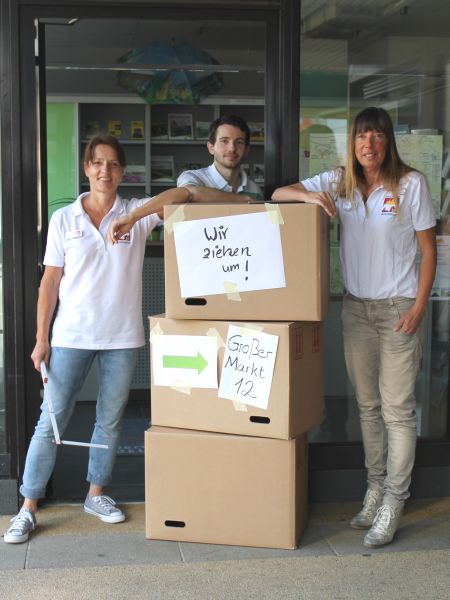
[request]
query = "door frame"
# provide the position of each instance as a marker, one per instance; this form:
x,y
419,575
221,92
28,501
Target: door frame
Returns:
x,y
24,166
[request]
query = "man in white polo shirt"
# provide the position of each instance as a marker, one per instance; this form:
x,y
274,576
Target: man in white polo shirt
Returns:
x,y
229,144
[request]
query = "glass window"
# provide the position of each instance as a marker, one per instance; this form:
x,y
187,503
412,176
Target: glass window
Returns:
x,y
394,55
87,56
157,85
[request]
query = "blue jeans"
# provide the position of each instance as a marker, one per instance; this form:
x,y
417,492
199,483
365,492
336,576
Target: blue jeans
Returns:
x,y
67,371
383,366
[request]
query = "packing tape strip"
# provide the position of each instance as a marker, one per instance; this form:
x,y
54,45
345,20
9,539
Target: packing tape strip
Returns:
x,y
275,215
183,389
239,406
230,290
214,333
155,332
248,328
175,217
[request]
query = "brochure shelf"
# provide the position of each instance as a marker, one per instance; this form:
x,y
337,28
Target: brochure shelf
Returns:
x,y
165,139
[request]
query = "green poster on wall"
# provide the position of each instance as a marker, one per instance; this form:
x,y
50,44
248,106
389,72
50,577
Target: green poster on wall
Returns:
x,y
61,155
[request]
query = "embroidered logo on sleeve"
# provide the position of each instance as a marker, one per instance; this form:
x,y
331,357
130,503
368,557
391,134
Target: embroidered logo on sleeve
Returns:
x,y
389,207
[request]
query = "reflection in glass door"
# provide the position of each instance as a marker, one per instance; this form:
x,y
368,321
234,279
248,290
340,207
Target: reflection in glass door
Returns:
x,y
393,55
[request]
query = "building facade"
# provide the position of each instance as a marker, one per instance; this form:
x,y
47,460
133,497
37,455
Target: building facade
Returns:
x,y
298,71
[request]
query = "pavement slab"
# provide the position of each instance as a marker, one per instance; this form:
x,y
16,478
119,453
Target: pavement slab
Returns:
x,y
72,556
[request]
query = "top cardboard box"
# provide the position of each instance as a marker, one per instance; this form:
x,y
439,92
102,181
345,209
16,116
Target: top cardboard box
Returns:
x,y
246,262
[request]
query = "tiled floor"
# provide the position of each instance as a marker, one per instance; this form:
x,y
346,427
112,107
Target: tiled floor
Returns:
x,y
67,536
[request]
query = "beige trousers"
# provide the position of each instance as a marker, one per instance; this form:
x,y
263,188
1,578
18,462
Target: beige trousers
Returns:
x,y
383,366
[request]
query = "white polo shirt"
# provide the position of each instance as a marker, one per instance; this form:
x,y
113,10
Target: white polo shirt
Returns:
x,y
378,247
210,177
100,295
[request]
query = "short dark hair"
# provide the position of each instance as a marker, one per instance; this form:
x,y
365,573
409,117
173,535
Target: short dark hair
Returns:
x,y
233,120
104,139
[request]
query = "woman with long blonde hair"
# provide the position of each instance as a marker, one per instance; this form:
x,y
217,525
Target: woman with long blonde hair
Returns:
x,y
385,213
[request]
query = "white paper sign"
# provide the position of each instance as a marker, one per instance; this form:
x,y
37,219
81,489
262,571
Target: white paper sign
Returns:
x,y
248,365
236,253
185,361
441,285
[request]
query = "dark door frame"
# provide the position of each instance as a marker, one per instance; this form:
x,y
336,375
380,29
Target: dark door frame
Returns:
x,y
23,159
336,470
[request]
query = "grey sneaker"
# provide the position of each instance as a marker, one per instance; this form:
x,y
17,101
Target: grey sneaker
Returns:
x,y
384,526
22,524
371,503
104,508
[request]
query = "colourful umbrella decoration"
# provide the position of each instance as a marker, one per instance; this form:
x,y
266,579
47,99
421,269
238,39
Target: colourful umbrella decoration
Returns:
x,y
165,81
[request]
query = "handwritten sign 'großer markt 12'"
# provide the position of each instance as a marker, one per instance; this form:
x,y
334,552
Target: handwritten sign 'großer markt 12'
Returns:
x,y
248,365
239,253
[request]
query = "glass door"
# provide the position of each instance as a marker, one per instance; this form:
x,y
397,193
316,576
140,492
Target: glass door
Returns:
x,y
156,85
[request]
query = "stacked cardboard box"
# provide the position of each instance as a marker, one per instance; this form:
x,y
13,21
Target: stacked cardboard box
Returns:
x,y
236,373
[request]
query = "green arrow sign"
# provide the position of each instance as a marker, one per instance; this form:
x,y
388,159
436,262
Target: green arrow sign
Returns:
x,y
185,362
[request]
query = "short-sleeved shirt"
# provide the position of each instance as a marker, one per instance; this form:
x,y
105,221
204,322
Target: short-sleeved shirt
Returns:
x,y
378,246
100,294
210,177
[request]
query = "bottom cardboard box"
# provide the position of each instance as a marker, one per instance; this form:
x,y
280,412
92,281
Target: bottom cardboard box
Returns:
x,y
225,489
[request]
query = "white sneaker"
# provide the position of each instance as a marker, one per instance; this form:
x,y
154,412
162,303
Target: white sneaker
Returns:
x,y
384,526
22,524
104,508
371,503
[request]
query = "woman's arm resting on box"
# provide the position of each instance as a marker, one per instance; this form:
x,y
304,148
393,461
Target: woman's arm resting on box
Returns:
x,y
155,205
298,192
180,195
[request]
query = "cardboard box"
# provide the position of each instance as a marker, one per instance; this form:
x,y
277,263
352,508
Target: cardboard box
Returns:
x,y
295,392
225,489
225,251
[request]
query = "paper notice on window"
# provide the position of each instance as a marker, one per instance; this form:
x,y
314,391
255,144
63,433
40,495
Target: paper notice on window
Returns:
x,y
239,253
248,366
185,361
424,152
441,285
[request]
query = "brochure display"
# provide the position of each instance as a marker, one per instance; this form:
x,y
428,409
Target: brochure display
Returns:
x,y
163,139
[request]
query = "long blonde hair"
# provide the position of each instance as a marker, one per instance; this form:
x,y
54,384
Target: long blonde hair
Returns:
x,y
392,169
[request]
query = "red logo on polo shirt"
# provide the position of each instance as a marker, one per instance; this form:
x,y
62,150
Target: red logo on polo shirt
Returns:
x,y
124,239
389,206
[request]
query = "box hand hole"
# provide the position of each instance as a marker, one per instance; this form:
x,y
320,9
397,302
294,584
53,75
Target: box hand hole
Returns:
x,y
174,523
263,420
195,301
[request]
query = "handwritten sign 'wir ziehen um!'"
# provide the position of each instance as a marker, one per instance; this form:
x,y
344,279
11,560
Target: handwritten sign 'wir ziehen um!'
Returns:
x,y
229,254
